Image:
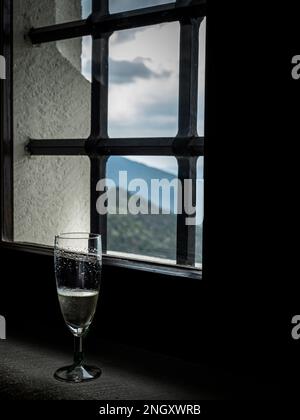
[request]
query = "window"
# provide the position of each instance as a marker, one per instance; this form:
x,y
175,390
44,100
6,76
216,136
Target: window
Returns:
x,y
109,87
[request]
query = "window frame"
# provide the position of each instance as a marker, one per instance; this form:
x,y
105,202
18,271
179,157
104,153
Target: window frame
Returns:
x,y
186,146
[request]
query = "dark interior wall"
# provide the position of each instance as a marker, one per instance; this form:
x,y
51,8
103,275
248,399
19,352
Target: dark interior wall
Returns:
x,y
232,317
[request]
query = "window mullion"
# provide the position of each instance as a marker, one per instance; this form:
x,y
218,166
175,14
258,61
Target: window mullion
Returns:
x,y
99,122
98,222
187,128
186,233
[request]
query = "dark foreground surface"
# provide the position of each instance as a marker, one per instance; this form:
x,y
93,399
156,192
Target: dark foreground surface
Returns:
x,y
26,372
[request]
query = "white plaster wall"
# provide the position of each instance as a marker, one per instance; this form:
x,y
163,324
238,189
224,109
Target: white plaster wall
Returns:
x,y
51,100
66,11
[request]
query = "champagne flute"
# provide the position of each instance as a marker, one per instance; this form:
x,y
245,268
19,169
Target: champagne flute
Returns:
x,y
78,262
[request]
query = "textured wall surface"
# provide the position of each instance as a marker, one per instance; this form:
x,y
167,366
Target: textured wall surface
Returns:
x,y
51,100
66,11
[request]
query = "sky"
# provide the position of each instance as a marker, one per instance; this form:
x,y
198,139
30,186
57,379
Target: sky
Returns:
x,y
143,80
116,6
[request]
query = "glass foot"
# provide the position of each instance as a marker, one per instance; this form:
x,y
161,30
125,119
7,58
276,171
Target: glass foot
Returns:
x,y
77,373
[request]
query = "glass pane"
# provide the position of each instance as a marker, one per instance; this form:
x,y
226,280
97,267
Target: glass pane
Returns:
x,y
50,12
143,82
201,78
141,215
52,93
51,195
199,211
116,6
86,8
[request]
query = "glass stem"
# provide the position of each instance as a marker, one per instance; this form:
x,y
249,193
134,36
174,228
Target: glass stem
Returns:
x,y
78,354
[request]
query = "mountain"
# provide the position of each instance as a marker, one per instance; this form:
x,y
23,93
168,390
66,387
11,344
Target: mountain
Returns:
x,y
136,170
152,235
147,235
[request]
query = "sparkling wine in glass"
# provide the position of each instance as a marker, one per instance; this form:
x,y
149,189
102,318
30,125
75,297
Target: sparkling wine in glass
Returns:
x,y
78,262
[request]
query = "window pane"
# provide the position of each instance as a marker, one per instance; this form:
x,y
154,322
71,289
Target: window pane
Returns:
x,y
139,228
143,82
116,6
51,90
201,78
199,211
51,195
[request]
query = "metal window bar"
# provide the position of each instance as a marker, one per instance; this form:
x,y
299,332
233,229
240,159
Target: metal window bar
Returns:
x,y
187,127
164,146
98,23
99,119
186,146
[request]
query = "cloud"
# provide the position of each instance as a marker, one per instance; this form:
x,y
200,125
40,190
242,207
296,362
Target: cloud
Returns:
x,y
143,92
144,116
125,36
124,71
161,108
